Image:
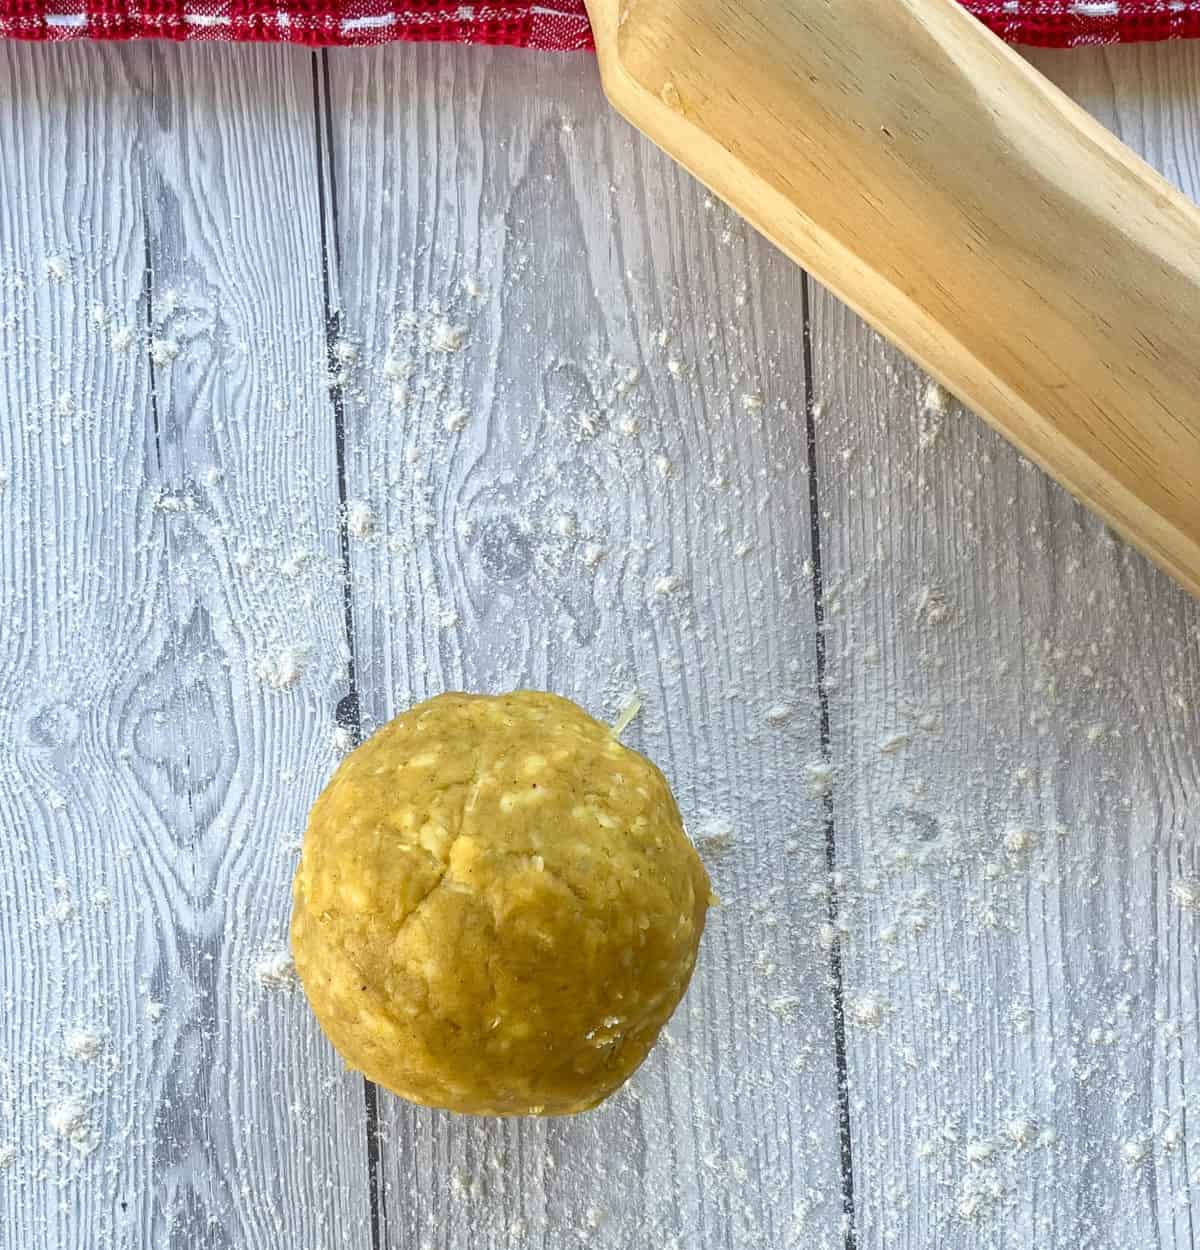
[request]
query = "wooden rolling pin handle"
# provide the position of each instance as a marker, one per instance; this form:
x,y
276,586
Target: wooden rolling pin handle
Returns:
x,y
966,208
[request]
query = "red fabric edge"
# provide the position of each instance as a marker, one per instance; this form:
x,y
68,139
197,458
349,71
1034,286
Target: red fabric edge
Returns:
x,y
559,25
1067,24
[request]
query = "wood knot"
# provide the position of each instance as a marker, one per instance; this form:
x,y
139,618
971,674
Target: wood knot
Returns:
x,y
669,94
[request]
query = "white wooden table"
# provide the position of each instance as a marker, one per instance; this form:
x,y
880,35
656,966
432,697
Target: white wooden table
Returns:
x,y
937,732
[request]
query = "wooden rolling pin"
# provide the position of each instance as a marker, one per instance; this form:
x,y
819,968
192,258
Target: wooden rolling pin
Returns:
x,y
966,208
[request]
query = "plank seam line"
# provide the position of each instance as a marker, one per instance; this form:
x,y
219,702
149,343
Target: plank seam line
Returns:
x,y
850,1235
349,710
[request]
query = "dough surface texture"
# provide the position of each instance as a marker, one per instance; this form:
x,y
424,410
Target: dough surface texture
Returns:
x,y
497,908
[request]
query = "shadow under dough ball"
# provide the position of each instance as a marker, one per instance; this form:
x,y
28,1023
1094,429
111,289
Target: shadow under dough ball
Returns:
x,y
497,908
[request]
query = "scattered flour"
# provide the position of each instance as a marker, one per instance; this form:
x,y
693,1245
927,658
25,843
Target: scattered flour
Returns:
x,y
786,1007
1186,892
936,399
917,920
8,1155
83,1044
827,936
360,518
932,606
980,1151
866,1009
667,584
284,669
444,337
979,1193
715,835
69,1119
163,351
820,779
988,1183
396,368
62,910
1135,1151
155,1011
894,743
58,268
122,339
276,970
1017,841
753,401
293,564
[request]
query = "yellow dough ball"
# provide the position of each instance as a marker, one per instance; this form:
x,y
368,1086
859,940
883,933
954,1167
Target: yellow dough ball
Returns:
x,y
497,908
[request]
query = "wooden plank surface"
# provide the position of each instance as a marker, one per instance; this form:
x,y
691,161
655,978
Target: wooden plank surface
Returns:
x,y
573,393
70,661
168,449
1016,726
598,485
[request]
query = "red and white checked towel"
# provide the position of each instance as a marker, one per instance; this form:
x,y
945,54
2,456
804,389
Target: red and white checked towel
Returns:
x,y
552,24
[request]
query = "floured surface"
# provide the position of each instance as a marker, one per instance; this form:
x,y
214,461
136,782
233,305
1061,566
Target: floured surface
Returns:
x,y
606,517
569,393
165,441
1015,701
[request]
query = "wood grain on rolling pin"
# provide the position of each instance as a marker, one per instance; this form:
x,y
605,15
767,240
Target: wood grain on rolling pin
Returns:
x,y
967,208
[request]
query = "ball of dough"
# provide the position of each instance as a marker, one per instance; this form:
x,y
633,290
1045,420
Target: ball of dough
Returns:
x,y
497,908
